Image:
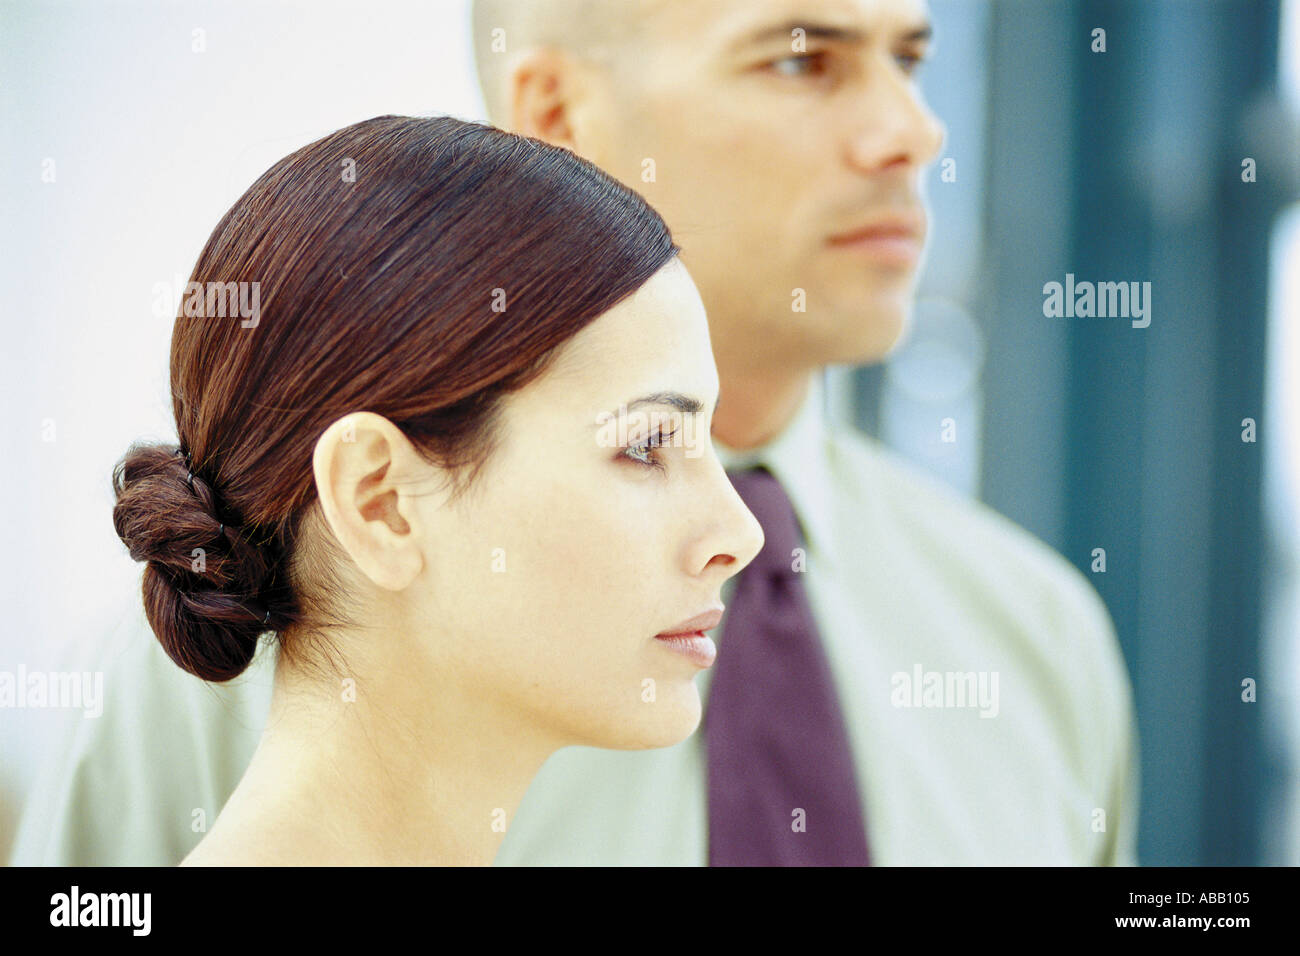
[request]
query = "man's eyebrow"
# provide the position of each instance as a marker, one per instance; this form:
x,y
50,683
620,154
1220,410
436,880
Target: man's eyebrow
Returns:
x,y
823,31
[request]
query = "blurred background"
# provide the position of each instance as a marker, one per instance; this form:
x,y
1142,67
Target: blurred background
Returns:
x,y
130,127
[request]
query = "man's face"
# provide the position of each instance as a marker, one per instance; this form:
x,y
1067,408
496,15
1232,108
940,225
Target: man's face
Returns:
x,y
759,145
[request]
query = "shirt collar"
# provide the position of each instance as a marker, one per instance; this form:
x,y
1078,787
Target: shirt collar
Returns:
x,y
799,458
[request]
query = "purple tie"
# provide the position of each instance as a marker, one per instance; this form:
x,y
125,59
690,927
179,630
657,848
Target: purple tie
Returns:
x,y
782,791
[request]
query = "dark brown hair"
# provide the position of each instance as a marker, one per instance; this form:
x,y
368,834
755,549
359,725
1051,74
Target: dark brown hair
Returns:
x,y
379,253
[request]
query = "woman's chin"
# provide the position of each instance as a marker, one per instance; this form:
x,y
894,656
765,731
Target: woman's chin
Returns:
x,y
670,719
659,723
663,713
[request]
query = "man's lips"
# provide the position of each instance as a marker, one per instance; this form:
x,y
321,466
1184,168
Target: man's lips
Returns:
x,y
895,240
895,225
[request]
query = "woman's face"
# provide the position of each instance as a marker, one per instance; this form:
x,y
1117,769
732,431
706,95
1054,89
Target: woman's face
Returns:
x,y
549,580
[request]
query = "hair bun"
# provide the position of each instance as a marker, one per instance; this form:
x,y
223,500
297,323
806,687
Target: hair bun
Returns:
x,y
203,580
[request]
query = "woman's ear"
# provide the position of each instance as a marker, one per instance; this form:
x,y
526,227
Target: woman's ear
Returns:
x,y
367,478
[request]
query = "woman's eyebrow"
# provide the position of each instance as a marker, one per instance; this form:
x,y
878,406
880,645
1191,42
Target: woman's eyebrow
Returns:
x,y
683,403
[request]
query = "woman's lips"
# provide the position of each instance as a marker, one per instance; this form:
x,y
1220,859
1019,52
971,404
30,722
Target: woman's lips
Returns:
x,y
705,621
698,647
688,637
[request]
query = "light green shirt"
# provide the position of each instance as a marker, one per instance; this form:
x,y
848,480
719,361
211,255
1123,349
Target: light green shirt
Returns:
x,y
923,598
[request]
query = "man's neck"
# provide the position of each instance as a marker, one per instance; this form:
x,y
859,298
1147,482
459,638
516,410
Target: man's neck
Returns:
x,y
757,407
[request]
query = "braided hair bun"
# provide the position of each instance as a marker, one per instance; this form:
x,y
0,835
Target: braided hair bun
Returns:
x,y
204,579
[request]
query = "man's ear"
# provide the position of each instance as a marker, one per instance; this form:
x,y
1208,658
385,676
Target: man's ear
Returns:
x,y
367,476
539,97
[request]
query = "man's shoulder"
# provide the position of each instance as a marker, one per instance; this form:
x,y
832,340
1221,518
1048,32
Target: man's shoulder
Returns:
x,y
147,680
957,530
969,579
123,786
1012,587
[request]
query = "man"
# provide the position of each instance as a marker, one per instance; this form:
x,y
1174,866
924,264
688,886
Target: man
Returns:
x,y
972,701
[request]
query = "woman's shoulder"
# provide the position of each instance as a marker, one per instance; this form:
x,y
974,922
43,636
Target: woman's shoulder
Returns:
x,y
262,840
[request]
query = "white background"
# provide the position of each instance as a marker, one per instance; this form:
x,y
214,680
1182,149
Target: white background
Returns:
x,y
152,142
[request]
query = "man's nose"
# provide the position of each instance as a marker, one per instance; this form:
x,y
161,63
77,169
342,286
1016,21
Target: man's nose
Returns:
x,y
896,127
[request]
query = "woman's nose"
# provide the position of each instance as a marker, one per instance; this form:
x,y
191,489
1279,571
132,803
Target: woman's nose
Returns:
x,y
743,534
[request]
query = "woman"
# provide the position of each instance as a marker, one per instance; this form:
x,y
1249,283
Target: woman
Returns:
x,y
448,440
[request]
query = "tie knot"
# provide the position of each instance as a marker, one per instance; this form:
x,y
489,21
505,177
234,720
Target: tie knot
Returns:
x,y
764,496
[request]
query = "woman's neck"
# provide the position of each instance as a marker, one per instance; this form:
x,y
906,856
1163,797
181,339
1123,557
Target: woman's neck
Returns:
x,y
376,772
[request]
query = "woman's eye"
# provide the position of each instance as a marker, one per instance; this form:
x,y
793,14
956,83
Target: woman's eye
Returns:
x,y
644,454
640,454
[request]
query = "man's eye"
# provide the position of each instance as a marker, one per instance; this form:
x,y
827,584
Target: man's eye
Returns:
x,y
910,62
799,64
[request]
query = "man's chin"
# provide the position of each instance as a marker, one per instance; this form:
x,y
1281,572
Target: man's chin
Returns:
x,y
875,337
